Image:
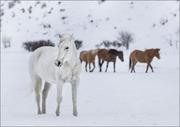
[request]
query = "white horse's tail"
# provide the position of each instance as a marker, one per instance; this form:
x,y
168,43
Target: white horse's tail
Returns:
x,y
31,72
32,61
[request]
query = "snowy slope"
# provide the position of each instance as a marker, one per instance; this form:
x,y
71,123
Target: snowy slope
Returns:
x,y
137,18
108,98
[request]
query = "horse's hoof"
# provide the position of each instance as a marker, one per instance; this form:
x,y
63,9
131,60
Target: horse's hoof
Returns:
x,y
39,113
75,114
57,113
43,112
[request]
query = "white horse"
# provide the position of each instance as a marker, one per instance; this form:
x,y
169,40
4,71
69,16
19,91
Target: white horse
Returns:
x,y
55,65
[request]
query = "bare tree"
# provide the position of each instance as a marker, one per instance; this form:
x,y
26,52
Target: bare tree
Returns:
x,y
6,41
11,4
125,38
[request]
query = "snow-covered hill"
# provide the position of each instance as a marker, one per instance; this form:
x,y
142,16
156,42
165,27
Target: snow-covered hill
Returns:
x,y
153,24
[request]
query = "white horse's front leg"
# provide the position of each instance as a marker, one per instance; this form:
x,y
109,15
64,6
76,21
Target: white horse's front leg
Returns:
x,y
74,85
59,97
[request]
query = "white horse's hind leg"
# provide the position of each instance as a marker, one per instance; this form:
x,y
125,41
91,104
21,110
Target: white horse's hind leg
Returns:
x,y
74,96
44,96
37,88
59,98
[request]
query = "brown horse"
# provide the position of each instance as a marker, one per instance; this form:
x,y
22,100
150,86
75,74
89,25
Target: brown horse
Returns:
x,y
109,56
143,57
89,57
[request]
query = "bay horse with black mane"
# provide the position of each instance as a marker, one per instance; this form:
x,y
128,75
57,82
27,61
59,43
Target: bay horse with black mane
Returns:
x,y
109,56
143,57
89,57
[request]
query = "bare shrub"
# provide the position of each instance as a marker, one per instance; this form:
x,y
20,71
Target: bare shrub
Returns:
x,y
163,21
43,5
33,45
78,44
11,4
107,44
125,38
6,41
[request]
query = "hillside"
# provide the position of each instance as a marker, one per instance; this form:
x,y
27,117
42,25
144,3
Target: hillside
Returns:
x,y
153,24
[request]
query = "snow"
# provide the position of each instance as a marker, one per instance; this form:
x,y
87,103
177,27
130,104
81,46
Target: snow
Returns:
x,y
121,98
143,15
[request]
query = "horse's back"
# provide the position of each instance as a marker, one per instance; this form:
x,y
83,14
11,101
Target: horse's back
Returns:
x,y
102,52
46,51
138,55
41,56
136,52
113,51
94,51
92,54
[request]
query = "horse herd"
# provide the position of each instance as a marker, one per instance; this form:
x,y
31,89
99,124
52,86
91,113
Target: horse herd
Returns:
x,y
58,65
110,55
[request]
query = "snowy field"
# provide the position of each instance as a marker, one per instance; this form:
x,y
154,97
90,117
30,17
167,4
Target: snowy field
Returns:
x,y
119,98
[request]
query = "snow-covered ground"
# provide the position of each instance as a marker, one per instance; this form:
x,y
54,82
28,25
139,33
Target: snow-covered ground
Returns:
x,y
119,98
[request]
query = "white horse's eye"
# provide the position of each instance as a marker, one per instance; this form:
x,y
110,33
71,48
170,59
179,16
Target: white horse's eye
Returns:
x,y
67,48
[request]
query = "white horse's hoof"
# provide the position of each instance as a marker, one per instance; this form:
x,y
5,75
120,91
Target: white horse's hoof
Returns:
x,y
57,113
43,112
39,113
75,114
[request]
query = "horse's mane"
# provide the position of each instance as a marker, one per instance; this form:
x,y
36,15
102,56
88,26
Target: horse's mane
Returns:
x,y
146,50
114,51
94,51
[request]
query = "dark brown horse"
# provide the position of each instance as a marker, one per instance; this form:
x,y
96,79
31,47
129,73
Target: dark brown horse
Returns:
x,y
143,57
109,56
88,57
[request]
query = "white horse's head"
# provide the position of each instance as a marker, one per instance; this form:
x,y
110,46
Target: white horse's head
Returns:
x,y
66,50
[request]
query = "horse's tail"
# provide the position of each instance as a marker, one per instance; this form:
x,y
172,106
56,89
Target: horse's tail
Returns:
x,y
130,62
80,59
